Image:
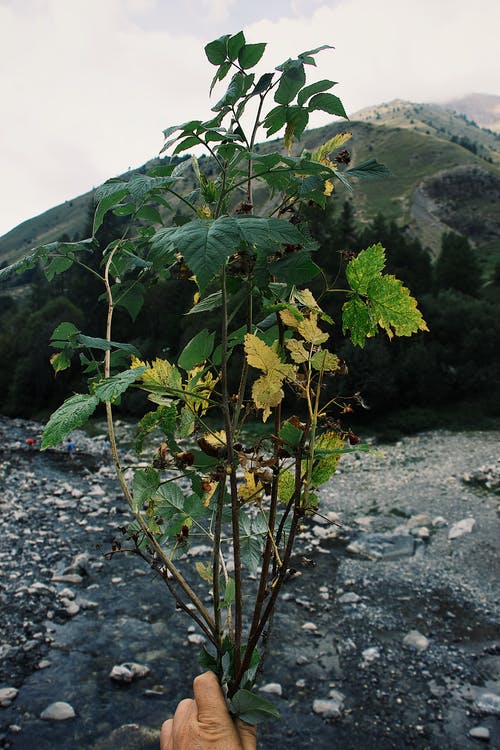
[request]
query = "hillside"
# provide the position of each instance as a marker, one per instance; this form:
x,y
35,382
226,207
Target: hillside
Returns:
x,y
445,174
484,109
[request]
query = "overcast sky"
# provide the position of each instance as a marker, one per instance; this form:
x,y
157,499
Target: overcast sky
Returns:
x,y
87,86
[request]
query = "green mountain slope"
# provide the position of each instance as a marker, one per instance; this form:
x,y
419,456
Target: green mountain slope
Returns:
x,y
445,174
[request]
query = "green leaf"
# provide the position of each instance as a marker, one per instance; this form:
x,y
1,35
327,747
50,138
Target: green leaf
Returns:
x,y
163,417
212,302
296,119
58,265
149,213
229,593
61,361
234,45
63,332
171,498
290,434
252,708
366,266
313,88
131,299
73,413
250,55
263,83
356,318
325,360
327,103
144,486
394,308
251,552
370,168
216,51
197,351
331,446
291,81
111,388
105,205
93,342
296,268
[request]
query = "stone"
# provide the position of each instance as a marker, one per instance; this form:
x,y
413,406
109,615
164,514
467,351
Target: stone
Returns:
x,y
439,522
462,527
196,639
382,546
329,708
73,578
488,703
370,655
128,671
421,519
309,626
480,733
272,688
349,598
58,711
416,640
7,695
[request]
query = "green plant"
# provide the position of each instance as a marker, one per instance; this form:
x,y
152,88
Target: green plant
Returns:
x,y
247,499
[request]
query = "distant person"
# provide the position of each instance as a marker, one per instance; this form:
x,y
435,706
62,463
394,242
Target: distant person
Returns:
x,y
71,448
205,723
30,442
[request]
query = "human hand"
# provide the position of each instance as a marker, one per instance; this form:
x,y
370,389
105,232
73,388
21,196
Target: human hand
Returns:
x,y
205,723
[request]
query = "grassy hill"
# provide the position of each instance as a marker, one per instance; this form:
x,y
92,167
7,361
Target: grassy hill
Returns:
x,y
445,174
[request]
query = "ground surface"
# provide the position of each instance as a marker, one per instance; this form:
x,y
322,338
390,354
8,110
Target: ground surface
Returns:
x,y
57,519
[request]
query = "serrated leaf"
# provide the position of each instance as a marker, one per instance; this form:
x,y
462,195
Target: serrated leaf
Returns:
x,y
250,55
286,486
326,148
211,302
324,468
393,307
111,388
295,268
61,360
290,434
63,332
313,88
251,552
252,708
356,318
250,490
229,593
297,351
371,168
57,265
73,413
204,570
308,329
267,393
262,357
327,103
365,267
291,81
161,374
325,361
144,486
105,205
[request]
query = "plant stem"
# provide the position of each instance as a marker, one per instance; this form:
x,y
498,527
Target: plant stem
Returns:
x,y
216,553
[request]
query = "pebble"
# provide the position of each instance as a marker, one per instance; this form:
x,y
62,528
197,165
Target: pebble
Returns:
x,y
196,639
349,598
488,703
329,708
128,671
462,527
416,640
73,578
272,688
309,626
480,733
58,711
370,655
7,695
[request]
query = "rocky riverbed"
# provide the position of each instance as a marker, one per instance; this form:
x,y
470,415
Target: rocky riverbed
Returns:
x,y
386,634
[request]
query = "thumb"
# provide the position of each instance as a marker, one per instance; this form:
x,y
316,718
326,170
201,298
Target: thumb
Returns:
x,y
247,734
209,697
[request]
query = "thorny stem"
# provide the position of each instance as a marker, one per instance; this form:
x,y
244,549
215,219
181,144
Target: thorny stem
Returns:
x,y
176,574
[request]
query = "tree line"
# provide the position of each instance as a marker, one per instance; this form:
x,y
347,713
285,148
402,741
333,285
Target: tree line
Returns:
x,y
451,369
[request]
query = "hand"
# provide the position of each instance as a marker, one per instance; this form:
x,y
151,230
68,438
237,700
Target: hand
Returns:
x,y
204,723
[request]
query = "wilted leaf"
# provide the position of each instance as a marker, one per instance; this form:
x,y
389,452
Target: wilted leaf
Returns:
x,y
297,350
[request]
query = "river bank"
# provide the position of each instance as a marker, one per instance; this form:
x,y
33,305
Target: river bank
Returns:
x,y
386,634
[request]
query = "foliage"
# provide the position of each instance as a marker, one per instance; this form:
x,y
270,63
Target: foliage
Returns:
x,y
252,277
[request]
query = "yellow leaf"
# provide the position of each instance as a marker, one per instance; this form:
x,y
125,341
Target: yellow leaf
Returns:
x,y
262,357
267,392
306,298
308,329
286,486
250,491
325,360
326,148
160,374
297,350
204,212
289,319
204,570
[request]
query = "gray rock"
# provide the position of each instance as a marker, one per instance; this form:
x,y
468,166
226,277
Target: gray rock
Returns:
x,y
349,598
488,703
196,639
73,578
382,546
329,708
128,671
370,655
416,640
58,711
7,695
480,733
272,688
462,527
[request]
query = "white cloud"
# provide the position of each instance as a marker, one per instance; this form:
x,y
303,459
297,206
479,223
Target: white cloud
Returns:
x,y
87,86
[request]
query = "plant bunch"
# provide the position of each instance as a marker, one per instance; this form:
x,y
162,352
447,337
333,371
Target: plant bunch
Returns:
x,y
240,240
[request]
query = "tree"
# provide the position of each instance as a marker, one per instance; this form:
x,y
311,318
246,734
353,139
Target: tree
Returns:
x,y
457,267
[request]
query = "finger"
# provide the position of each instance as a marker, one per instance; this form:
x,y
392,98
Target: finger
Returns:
x,y
166,735
183,713
247,734
209,697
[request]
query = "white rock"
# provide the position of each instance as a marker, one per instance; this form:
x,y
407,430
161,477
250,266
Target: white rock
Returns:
x,y
438,522
324,532
309,626
480,733
416,640
73,578
7,695
462,527
349,598
422,519
138,670
273,688
121,674
370,654
488,703
196,639
58,711
43,664
328,708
